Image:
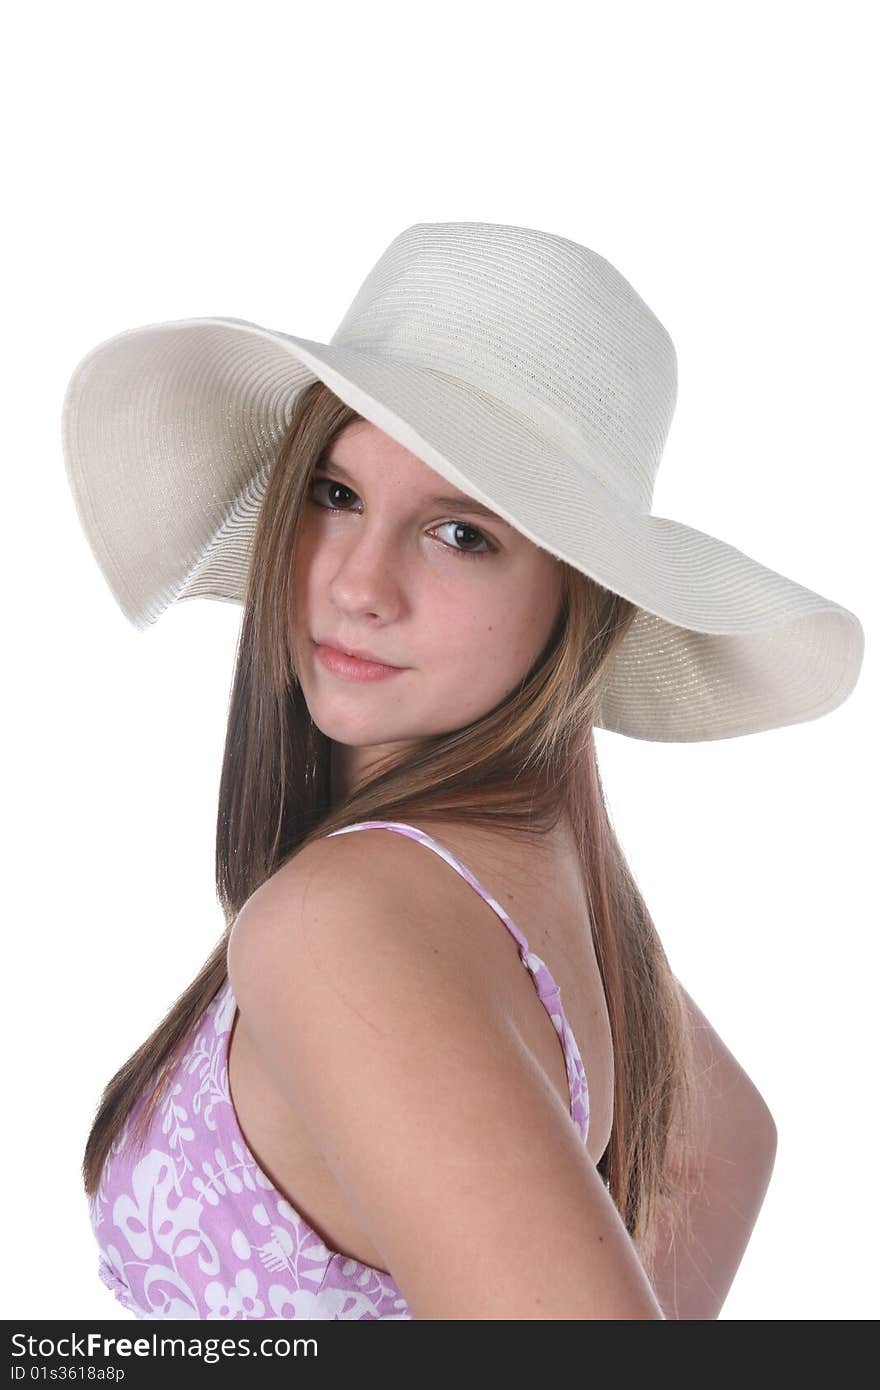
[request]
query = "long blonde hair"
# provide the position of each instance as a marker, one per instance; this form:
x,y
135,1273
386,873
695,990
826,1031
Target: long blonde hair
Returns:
x,y
517,767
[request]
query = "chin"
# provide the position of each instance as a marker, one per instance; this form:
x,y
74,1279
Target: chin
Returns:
x,y
356,733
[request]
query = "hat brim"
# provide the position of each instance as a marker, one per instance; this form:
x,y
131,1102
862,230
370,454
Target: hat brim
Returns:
x,y
169,431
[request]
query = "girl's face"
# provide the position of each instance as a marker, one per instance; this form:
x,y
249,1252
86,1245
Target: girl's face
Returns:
x,y
457,598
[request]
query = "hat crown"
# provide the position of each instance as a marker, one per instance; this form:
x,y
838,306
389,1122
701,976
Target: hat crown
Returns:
x,y
542,324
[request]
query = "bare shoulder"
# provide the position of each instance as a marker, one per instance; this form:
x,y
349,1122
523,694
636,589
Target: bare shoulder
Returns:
x,y
441,1130
370,890
373,919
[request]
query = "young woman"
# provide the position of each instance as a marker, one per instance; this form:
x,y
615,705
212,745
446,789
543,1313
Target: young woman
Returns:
x,y
438,1065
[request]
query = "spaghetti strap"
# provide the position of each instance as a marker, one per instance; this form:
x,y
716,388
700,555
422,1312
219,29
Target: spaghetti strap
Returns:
x,y
546,986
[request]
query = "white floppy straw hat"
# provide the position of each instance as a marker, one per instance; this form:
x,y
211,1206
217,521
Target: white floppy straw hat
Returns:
x,y
525,370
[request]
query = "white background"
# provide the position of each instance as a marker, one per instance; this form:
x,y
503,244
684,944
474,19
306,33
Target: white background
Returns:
x,y
171,161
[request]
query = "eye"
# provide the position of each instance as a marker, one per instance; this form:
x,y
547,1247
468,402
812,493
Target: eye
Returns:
x,y
463,526
331,483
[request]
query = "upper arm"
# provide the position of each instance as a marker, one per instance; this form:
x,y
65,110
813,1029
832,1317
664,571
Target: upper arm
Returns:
x,y
730,1158
449,1142
730,1115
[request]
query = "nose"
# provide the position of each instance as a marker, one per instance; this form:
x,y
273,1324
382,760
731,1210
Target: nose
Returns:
x,y
367,578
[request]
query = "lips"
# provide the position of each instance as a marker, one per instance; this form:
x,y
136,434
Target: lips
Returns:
x,y
354,668
358,653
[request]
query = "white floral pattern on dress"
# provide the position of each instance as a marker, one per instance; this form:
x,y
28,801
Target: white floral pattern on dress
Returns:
x,y
191,1227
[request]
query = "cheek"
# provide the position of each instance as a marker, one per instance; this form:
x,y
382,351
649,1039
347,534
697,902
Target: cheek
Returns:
x,y
529,628
306,571
488,640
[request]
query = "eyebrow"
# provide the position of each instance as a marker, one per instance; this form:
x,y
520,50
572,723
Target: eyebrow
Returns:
x,y
461,504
